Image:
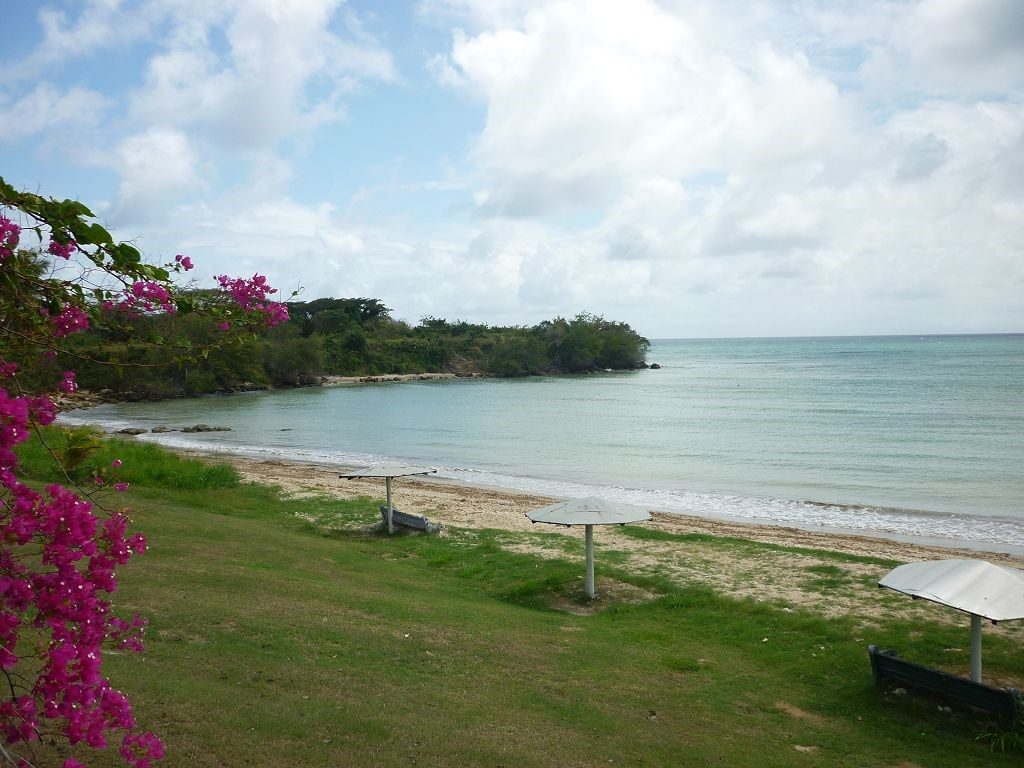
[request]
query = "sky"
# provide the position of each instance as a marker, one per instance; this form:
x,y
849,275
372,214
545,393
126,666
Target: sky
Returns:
x,y
695,168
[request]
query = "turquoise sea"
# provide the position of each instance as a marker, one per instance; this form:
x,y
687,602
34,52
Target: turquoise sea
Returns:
x,y
910,437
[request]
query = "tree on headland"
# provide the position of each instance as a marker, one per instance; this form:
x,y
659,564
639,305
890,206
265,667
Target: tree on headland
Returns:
x,y
589,342
61,275
344,337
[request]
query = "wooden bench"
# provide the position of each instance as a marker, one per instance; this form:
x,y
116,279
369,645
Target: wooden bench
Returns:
x,y
418,522
1004,702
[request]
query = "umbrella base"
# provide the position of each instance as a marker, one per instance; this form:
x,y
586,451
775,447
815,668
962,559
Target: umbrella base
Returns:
x,y
416,522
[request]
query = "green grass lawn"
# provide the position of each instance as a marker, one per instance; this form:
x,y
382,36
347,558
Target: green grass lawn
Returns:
x,y
276,641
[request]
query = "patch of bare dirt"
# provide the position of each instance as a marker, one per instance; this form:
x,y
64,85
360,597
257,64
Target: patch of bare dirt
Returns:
x,y
797,713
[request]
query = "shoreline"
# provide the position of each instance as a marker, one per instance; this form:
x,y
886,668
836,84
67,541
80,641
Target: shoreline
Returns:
x,y
86,398
471,506
820,531
919,526
386,378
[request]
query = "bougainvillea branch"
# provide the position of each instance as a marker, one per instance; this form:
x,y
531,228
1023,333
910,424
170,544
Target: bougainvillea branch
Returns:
x,y
59,548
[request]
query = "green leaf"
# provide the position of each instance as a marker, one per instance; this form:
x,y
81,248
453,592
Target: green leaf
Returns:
x,y
79,208
125,257
98,235
154,272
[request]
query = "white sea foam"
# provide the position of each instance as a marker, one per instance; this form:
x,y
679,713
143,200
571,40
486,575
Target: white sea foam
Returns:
x,y
953,530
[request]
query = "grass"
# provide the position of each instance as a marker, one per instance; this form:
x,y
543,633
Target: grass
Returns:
x,y
295,632
145,464
826,576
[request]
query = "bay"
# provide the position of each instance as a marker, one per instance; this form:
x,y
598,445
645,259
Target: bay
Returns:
x,y
911,437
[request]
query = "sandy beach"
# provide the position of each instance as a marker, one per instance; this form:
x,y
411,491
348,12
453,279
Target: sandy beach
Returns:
x,y
782,576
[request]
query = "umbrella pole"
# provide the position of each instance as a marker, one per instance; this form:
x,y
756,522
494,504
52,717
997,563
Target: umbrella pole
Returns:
x,y
590,560
391,509
975,648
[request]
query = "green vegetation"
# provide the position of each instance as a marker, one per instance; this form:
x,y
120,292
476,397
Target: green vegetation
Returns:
x,y
145,464
294,632
346,337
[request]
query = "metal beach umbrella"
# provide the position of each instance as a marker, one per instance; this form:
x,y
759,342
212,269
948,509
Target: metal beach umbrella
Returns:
x,y
588,512
388,472
977,587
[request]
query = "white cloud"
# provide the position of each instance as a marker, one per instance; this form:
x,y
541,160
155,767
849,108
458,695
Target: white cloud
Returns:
x,y
974,44
156,168
293,244
282,73
740,158
46,109
585,97
234,87
730,192
97,25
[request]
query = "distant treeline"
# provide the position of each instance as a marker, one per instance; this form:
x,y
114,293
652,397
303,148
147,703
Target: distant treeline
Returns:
x,y
344,337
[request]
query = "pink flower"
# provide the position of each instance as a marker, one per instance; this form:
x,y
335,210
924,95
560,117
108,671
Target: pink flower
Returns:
x,y
140,297
276,313
251,295
71,320
10,234
59,554
140,750
185,262
63,250
79,555
148,295
68,384
225,326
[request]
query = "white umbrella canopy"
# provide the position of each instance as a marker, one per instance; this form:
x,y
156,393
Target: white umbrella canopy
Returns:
x,y
388,472
978,587
588,512
994,592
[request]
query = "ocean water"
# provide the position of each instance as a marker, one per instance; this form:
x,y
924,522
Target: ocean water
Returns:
x,y
907,437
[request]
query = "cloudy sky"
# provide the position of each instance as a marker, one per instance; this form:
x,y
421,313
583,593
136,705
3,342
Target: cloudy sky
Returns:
x,y
694,168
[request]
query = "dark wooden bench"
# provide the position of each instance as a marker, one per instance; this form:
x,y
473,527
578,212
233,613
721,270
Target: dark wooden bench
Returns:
x,y
418,522
1004,702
